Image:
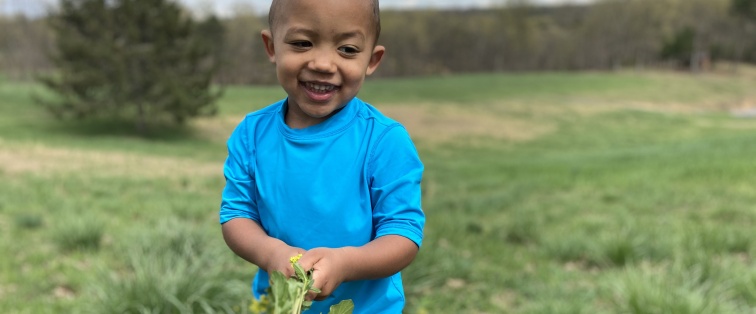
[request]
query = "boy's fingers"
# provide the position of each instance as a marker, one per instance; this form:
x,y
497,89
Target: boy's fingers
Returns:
x,y
288,272
311,296
308,260
318,283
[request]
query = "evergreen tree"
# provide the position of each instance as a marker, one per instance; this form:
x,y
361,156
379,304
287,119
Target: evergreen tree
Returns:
x,y
145,60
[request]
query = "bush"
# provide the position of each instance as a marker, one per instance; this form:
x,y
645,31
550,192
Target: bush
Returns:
x,y
140,60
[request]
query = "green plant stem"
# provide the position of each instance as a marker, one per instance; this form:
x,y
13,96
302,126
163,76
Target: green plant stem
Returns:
x,y
297,308
307,283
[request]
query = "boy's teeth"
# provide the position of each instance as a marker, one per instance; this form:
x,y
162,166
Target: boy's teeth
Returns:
x,y
319,87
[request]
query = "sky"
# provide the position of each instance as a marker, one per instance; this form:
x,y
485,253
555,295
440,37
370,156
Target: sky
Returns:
x,y
226,7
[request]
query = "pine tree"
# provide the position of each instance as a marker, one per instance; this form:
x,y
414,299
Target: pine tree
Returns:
x,y
140,60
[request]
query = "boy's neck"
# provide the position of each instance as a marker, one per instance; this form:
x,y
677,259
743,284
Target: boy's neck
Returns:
x,y
294,123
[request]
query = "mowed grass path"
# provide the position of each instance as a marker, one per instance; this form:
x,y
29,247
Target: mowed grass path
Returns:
x,y
545,193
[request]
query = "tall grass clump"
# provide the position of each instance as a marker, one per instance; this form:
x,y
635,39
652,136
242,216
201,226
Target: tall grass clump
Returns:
x,y
747,289
524,227
80,232
29,221
718,239
670,289
173,271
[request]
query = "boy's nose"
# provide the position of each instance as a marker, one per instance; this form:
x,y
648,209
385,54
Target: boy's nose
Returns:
x,y
322,62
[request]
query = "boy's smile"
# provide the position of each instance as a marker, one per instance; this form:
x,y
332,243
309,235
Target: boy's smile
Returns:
x,y
319,91
322,49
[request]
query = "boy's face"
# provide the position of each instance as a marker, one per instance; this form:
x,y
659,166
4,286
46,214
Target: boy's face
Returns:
x,y
322,49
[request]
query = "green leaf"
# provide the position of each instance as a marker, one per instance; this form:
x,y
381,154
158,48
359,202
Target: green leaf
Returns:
x,y
283,292
287,295
294,289
306,305
344,307
299,271
277,288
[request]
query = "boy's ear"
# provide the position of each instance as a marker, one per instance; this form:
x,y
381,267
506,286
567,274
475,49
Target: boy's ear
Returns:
x,y
375,59
267,38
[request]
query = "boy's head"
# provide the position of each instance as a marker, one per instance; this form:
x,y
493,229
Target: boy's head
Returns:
x,y
276,9
322,49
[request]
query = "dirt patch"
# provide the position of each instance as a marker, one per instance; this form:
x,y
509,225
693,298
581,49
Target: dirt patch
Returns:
x,y
517,122
446,123
430,123
6,290
64,292
505,300
42,160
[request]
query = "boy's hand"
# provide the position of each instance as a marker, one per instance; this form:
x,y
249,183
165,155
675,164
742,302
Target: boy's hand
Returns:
x,y
329,269
279,260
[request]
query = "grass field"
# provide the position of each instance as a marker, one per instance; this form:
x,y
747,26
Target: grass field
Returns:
x,y
627,192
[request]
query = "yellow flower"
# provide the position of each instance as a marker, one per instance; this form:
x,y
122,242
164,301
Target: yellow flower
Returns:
x,y
295,258
259,307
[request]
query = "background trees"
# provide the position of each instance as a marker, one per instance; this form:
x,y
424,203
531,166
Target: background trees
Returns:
x,y
24,43
144,60
244,58
520,36
744,12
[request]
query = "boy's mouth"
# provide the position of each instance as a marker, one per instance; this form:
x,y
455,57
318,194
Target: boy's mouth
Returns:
x,y
319,91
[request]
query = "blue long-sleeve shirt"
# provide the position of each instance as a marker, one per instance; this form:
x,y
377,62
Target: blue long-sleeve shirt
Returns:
x,y
343,182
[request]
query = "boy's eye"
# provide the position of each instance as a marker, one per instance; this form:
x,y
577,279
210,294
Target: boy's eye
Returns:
x,y
349,50
301,44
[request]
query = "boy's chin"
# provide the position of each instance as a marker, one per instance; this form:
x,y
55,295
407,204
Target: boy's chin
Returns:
x,y
320,114
320,110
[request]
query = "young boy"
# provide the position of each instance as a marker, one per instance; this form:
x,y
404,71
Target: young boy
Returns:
x,y
321,172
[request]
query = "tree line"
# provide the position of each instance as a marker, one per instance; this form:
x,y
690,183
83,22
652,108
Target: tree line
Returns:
x,y
689,34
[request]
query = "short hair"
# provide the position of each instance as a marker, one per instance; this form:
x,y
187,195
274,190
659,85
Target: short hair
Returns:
x,y
276,5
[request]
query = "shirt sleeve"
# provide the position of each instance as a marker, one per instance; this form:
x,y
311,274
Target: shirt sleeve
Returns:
x,y
395,174
239,194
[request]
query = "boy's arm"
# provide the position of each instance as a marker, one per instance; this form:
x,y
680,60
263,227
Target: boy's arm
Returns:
x,y
238,213
380,258
248,240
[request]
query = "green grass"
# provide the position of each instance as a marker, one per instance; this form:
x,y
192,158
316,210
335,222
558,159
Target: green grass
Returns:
x,y
637,199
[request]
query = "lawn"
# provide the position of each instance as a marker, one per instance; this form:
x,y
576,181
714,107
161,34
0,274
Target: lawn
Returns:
x,y
622,192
